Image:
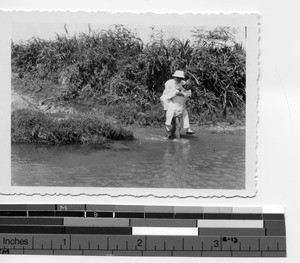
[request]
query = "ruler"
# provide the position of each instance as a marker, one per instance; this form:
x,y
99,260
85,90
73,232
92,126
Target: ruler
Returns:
x,y
122,230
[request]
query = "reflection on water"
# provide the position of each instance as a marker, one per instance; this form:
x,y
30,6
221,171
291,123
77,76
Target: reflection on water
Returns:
x,y
204,161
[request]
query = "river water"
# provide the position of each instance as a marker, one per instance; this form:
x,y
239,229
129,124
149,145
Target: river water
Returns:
x,y
206,160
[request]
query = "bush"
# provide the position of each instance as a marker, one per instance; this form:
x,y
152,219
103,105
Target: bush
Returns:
x,y
37,127
124,112
154,117
115,68
31,84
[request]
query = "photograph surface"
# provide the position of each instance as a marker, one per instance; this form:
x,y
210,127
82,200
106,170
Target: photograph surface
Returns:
x,y
137,104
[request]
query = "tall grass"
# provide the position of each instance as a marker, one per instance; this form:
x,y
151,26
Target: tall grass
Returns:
x,y
114,68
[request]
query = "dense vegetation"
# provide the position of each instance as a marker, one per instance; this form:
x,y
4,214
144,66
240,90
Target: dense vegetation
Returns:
x,y
114,72
37,127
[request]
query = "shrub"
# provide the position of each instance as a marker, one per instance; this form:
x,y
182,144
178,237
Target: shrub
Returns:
x,y
117,69
124,112
37,127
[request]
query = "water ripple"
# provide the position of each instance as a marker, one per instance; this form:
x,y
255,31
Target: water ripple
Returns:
x,y
204,161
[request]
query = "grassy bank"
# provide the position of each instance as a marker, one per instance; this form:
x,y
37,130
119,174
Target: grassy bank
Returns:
x,y
115,73
31,126
127,111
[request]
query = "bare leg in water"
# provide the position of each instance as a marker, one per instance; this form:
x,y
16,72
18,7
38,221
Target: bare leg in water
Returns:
x,y
174,128
178,126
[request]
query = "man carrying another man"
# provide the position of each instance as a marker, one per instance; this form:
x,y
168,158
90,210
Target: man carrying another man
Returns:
x,y
173,99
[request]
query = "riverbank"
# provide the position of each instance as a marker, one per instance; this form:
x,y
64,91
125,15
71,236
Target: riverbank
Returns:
x,y
114,76
40,115
44,121
33,122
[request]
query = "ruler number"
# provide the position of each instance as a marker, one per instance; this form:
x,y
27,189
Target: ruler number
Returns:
x,y
216,243
139,241
65,241
95,214
230,239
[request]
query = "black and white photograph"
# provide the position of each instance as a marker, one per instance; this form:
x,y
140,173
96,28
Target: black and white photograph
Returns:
x,y
114,102
179,119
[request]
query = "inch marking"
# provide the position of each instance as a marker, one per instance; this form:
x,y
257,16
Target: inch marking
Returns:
x,y
267,245
221,244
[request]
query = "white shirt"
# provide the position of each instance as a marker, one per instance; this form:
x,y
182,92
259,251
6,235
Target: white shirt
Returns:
x,y
171,89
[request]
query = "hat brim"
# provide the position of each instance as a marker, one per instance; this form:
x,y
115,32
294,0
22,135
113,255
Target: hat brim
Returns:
x,y
176,76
